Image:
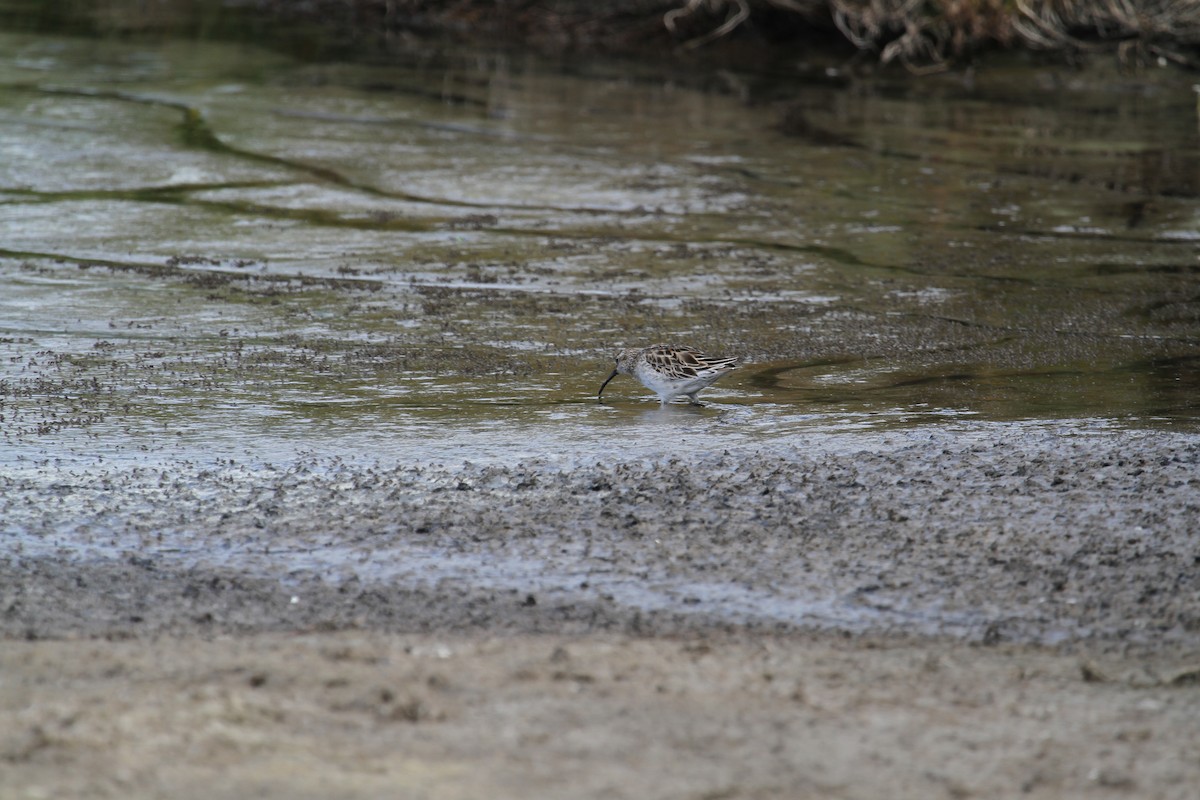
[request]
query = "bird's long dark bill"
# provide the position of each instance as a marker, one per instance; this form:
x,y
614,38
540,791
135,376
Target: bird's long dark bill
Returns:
x,y
606,380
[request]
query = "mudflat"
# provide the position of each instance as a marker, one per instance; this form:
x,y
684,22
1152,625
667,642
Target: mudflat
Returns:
x,y
987,611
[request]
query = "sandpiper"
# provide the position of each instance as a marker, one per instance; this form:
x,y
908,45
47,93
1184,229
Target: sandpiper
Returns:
x,y
670,370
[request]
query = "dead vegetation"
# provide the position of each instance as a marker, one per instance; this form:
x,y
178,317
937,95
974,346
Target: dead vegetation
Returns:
x,y
927,35
923,35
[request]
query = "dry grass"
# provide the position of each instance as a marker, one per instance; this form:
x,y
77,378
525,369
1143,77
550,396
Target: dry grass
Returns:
x,y
924,35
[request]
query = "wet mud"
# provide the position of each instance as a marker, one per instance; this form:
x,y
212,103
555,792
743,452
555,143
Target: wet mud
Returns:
x,y
1035,534
980,612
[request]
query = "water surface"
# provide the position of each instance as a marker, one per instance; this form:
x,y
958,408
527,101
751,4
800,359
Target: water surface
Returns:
x,y
215,246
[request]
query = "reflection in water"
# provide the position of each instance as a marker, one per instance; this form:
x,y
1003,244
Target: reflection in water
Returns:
x,y
1157,390
207,242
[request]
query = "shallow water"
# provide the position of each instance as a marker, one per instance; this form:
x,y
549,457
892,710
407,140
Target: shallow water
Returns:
x,y
209,242
219,249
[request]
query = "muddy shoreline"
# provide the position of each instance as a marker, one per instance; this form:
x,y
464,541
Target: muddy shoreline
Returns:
x,y
1037,534
266,637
